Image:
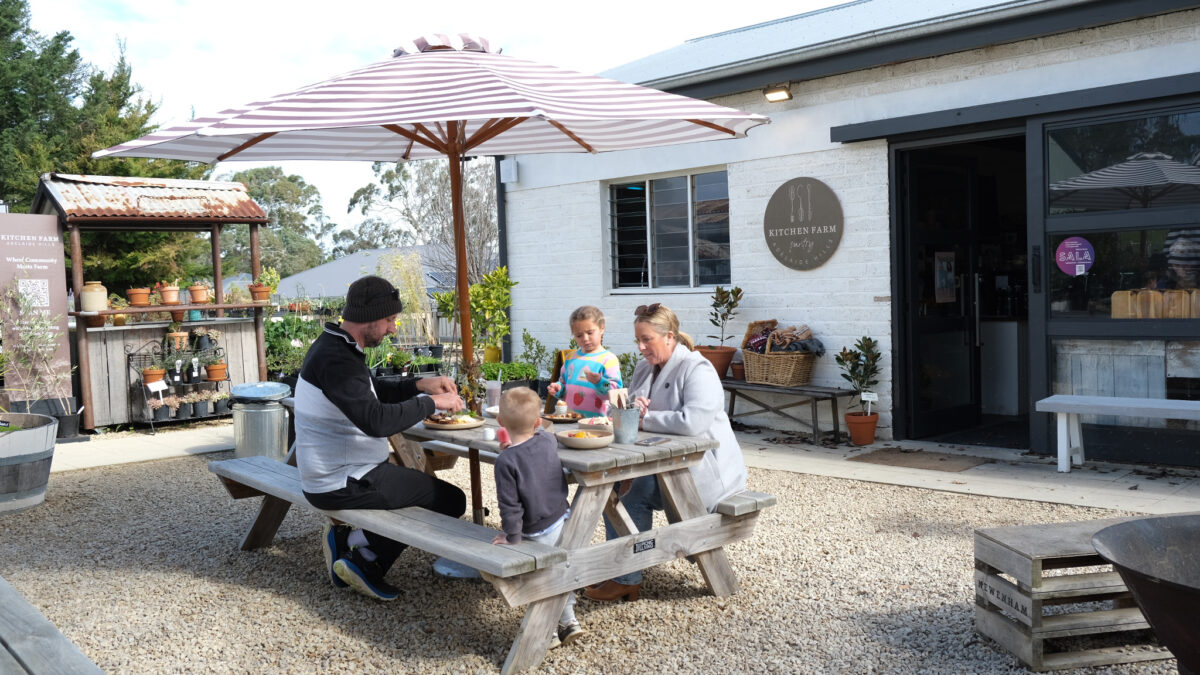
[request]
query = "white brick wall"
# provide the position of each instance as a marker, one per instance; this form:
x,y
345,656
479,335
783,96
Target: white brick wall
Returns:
x,y
557,221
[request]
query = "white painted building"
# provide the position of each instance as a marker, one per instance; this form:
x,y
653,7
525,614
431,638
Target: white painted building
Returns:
x,y
939,127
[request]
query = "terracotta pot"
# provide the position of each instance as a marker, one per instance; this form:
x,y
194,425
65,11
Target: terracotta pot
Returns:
x,y
738,370
180,339
93,321
138,297
170,295
153,374
862,427
198,294
720,357
178,314
260,293
215,372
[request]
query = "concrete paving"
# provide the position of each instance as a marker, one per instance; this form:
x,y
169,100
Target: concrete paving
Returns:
x,y
1011,474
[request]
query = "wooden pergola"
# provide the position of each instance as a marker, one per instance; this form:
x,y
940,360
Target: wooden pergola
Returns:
x,y
114,203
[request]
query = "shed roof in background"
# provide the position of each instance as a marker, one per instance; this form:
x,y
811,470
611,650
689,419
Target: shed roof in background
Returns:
x,y
120,202
333,278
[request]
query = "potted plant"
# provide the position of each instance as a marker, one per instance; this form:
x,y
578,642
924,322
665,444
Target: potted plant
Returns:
x,y
860,367
215,368
515,374
138,297
177,336
536,354
169,292
184,411
117,302
399,359
172,402
220,402
425,364
737,367
264,285
198,292
490,300
200,403
724,307
206,338
155,371
237,296
159,411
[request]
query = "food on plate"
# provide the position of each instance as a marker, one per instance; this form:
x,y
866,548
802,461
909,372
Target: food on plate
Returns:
x,y
583,434
596,421
452,418
568,417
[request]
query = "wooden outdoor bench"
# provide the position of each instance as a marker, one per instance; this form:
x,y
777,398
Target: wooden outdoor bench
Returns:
x,y
810,394
31,644
1067,408
458,540
1013,590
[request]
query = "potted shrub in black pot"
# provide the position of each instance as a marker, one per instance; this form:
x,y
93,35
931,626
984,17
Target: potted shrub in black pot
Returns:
x,y
860,367
537,355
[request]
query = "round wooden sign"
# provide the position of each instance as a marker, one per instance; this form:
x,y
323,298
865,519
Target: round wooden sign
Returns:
x,y
803,224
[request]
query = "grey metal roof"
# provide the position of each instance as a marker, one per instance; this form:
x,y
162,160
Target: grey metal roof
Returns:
x,y
820,34
334,277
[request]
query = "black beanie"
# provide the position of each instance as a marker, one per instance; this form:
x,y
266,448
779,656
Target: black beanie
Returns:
x,y
370,299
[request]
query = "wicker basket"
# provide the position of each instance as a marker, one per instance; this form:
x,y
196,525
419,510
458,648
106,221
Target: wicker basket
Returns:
x,y
780,369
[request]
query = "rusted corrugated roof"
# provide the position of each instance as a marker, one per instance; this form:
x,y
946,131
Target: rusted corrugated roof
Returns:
x,y
100,199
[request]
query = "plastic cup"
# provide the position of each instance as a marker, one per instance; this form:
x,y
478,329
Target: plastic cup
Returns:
x,y
492,392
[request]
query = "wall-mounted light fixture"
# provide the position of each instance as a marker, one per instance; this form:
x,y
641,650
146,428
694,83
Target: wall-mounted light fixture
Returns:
x,y
777,93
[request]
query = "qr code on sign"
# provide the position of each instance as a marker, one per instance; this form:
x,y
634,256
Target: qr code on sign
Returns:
x,y
37,290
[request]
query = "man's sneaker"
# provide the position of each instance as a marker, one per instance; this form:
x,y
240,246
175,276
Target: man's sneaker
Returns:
x,y
569,633
333,543
554,641
364,576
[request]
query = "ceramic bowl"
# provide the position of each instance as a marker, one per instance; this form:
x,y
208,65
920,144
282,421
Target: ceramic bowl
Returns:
x,y
492,410
597,438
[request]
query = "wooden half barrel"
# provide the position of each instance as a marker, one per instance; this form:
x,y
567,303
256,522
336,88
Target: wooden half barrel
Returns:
x,y
25,456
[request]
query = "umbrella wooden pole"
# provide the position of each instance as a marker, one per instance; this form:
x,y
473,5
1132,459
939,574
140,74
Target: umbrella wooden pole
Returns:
x,y
460,247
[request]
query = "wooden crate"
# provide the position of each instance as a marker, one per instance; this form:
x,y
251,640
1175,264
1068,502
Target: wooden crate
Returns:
x,y
1013,593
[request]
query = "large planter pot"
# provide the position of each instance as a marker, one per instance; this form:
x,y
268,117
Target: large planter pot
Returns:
x,y
138,297
153,374
215,372
197,294
491,354
862,427
25,456
170,295
720,357
179,339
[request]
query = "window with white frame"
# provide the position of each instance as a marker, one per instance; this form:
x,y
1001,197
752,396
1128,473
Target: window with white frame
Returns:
x,y
670,232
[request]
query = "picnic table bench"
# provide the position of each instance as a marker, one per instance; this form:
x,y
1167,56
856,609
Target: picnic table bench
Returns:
x,y
1068,407
810,394
31,644
532,574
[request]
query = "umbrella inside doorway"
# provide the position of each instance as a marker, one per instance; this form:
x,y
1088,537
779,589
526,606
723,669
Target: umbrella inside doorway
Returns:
x,y
446,96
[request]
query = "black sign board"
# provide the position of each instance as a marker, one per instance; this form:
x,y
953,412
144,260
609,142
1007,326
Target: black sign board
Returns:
x,y
803,224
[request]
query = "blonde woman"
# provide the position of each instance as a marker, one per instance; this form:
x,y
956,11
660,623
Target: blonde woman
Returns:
x,y
678,392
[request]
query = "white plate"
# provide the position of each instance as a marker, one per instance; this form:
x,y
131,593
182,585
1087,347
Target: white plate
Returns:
x,y
492,411
600,438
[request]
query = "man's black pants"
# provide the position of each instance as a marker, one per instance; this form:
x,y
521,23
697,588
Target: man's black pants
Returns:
x,y
389,486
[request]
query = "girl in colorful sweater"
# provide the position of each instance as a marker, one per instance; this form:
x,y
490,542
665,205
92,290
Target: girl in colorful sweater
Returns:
x,y
590,371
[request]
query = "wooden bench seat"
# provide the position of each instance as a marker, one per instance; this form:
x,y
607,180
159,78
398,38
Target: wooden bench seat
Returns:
x,y
1068,407
457,540
810,394
29,643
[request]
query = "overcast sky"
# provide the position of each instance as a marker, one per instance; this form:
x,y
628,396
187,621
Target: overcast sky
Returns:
x,y
198,57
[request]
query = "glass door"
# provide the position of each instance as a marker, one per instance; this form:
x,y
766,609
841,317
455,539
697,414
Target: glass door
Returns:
x,y
943,285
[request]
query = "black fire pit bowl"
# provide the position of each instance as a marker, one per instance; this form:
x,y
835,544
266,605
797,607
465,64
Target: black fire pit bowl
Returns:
x,y
1159,560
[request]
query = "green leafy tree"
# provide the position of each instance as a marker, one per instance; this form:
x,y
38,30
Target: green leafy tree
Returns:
x,y
411,203
297,222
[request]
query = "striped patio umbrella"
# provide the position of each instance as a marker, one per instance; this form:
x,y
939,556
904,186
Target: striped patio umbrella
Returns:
x,y
1143,180
446,96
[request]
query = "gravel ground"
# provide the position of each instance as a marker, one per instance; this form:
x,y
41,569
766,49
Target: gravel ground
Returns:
x,y
139,566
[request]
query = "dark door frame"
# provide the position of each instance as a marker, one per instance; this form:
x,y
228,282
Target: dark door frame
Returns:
x,y
898,244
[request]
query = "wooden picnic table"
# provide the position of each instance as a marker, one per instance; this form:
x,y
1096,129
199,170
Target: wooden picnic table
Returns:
x,y
693,531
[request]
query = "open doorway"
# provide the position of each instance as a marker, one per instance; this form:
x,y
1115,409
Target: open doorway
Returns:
x,y
961,213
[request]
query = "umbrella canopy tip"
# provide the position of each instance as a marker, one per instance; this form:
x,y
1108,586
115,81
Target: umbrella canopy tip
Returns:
x,y
459,42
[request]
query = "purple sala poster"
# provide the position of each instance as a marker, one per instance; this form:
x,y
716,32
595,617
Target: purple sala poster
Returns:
x,y
32,259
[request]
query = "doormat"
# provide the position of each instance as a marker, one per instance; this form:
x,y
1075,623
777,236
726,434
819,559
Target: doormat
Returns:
x,y
920,459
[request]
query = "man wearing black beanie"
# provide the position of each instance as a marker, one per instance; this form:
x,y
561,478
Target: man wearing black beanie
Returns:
x,y
344,417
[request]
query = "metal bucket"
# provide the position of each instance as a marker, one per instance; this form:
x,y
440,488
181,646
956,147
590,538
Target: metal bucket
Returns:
x,y
25,456
1159,560
260,422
